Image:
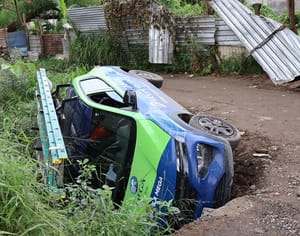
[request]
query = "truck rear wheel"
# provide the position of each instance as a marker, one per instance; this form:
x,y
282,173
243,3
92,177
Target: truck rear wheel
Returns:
x,y
153,78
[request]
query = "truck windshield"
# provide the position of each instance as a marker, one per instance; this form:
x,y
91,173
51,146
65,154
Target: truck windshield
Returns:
x,y
106,139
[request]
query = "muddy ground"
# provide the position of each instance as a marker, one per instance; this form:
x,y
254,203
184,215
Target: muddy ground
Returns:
x,y
266,190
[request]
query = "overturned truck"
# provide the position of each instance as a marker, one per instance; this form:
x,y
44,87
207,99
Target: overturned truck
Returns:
x,y
140,140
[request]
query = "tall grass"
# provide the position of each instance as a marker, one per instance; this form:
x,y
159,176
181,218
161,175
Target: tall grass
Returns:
x,y
90,50
241,65
24,204
17,81
92,211
27,209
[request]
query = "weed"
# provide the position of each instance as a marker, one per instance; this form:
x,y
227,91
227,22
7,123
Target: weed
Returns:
x,y
182,8
24,206
98,215
139,55
90,50
52,64
17,81
194,57
240,64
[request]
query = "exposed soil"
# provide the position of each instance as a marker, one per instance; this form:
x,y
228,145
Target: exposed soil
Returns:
x,y
266,188
248,169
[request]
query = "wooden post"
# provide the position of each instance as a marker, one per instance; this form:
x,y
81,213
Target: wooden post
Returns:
x,y
18,13
257,7
26,30
291,10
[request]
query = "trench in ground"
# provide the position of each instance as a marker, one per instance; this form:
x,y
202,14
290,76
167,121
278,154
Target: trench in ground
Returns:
x,y
249,169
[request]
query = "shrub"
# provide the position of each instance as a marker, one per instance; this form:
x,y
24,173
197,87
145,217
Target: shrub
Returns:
x,y
194,57
90,50
139,57
17,81
92,212
6,18
182,8
240,64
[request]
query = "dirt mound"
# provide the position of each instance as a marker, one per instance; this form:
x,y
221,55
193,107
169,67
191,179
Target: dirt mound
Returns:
x,y
250,160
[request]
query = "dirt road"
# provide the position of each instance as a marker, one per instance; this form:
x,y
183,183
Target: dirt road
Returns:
x,y
266,191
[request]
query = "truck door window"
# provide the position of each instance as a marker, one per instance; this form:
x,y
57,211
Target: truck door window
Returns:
x,y
107,139
111,148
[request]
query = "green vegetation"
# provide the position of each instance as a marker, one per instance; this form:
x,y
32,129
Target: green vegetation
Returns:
x,y
17,81
6,17
182,8
90,50
187,8
24,206
139,57
281,18
83,3
195,58
240,64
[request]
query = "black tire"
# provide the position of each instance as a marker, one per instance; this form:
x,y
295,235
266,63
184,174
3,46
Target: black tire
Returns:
x,y
153,78
218,127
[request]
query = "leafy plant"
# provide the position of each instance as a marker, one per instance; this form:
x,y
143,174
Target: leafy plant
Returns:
x,y
139,57
240,64
93,50
194,57
17,81
270,13
52,28
181,8
182,59
83,3
62,8
98,215
46,9
6,17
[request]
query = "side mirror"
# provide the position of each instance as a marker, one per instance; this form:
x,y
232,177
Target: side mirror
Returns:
x,y
130,99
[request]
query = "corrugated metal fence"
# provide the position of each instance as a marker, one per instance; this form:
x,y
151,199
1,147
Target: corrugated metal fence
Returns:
x,y
199,28
224,35
206,30
88,20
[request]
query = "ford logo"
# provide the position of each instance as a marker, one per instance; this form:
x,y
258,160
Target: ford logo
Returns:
x,y
133,185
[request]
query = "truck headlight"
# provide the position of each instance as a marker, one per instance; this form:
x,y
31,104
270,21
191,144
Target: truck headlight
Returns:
x,y
205,155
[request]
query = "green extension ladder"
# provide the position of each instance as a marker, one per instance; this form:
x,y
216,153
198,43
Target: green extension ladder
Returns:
x,y
53,154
